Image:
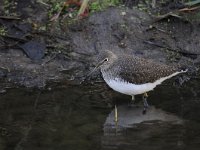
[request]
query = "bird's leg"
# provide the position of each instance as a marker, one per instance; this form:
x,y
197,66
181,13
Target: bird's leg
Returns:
x,y
133,98
146,105
116,115
132,102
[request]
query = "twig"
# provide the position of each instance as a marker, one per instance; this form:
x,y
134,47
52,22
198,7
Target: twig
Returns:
x,y
40,1
153,3
84,5
50,59
11,45
49,34
154,27
10,17
158,18
189,9
36,100
8,45
15,38
5,68
168,48
56,16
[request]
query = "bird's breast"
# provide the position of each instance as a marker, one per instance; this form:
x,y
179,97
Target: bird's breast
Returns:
x,y
129,88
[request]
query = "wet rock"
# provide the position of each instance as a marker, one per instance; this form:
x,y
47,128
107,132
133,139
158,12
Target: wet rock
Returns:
x,y
34,50
2,74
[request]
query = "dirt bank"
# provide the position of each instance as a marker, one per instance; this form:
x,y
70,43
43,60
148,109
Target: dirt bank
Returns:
x,y
70,48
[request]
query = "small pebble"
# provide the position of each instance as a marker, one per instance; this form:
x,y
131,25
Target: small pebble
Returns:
x,y
123,13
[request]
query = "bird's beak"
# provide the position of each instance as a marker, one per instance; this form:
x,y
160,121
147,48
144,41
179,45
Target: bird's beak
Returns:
x,y
96,67
99,64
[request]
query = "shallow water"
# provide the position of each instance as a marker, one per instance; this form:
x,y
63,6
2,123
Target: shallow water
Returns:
x,y
81,117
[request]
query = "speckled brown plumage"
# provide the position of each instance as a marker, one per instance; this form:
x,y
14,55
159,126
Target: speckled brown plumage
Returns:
x,y
133,69
139,71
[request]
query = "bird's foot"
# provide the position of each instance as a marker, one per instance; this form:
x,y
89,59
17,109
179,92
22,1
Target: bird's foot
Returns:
x,y
132,102
145,103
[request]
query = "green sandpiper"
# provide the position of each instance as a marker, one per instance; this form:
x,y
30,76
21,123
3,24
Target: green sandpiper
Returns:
x,y
132,75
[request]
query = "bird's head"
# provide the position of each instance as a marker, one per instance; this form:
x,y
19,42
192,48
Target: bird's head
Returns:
x,y
104,59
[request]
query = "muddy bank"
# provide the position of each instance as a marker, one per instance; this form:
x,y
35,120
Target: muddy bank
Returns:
x,y
70,49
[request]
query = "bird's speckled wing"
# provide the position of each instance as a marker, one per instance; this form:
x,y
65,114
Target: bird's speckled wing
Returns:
x,y
139,71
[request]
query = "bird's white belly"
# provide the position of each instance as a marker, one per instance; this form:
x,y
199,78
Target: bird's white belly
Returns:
x,y
121,86
129,88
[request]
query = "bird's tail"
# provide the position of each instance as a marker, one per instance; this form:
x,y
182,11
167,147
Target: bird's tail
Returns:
x,y
184,70
190,69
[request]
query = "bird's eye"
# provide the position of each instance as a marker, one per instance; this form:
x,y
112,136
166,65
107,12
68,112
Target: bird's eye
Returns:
x,y
106,59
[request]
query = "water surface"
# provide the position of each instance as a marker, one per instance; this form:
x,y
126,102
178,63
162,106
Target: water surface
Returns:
x,y
81,117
